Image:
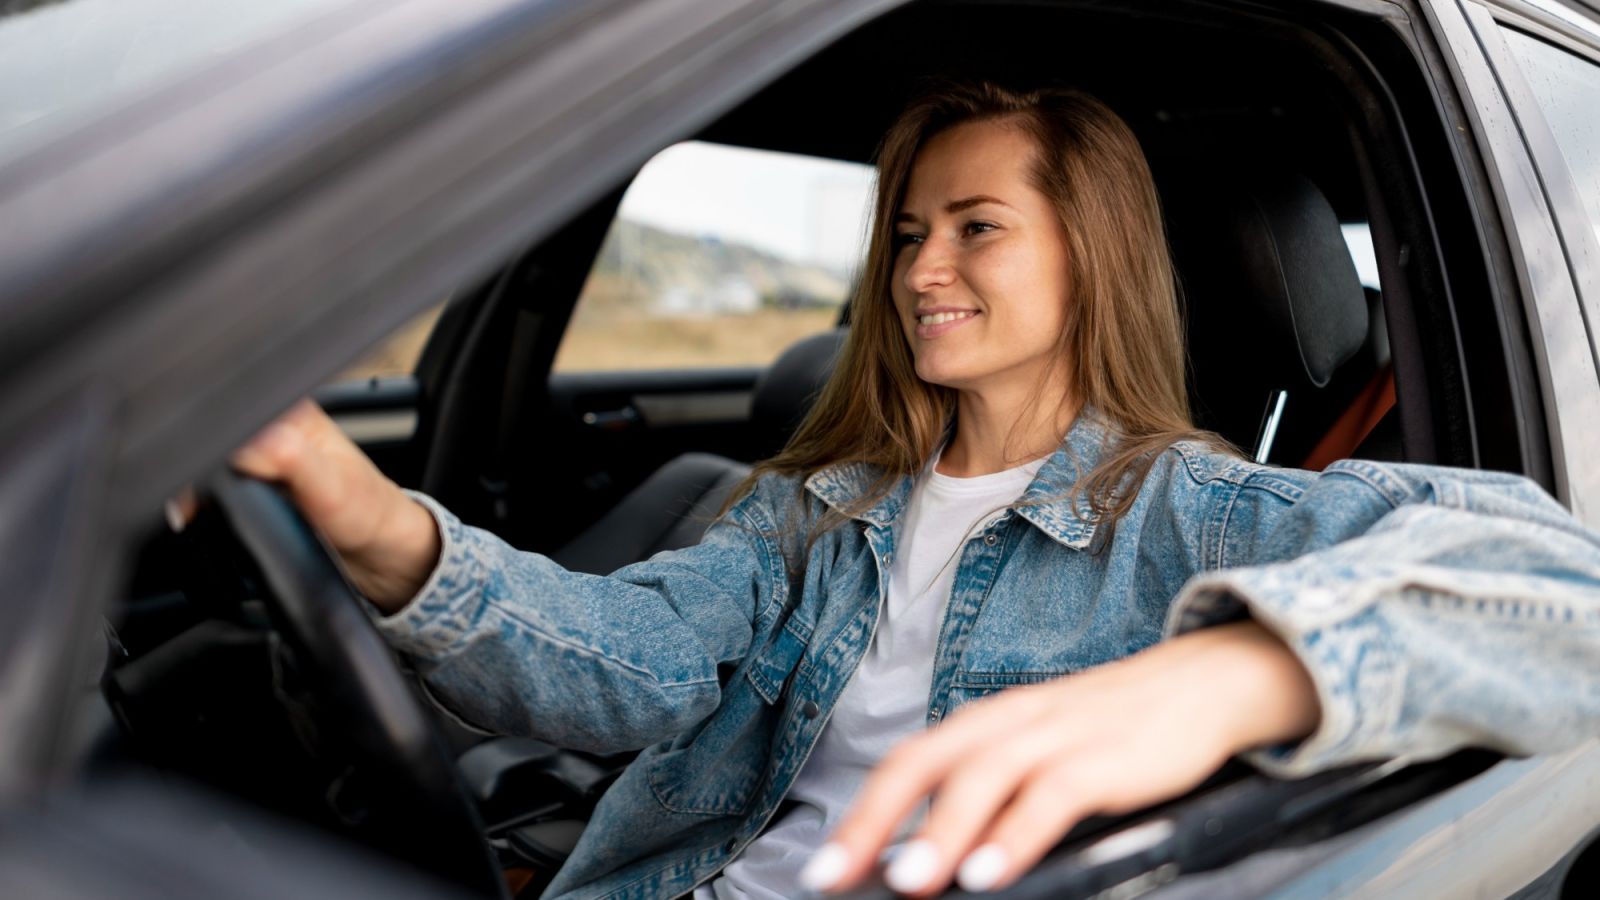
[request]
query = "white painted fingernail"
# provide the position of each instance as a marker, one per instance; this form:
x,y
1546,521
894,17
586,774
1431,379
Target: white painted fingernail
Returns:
x,y
913,867
175,519
982,869
825,868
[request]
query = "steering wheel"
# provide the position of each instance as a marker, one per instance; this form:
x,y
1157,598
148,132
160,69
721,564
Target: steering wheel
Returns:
x,y
411,800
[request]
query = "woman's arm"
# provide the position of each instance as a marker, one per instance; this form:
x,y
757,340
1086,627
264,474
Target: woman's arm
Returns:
x,y
1386,611
509,640
1466,614
387,543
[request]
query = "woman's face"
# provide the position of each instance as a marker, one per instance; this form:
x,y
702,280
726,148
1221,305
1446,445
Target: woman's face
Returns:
x,y
980,274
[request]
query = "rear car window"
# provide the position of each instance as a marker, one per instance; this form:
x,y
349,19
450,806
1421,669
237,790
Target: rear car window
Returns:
x,y
720,256
1567,87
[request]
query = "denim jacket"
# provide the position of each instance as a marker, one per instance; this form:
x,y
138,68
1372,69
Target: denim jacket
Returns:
x,y
1434,608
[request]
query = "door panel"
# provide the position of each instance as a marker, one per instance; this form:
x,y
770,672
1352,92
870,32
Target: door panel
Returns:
x,y
612,429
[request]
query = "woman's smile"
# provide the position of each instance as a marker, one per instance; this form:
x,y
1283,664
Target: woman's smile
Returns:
x,y
933,322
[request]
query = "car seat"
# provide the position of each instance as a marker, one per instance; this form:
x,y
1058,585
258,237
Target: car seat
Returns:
x,y
1273,306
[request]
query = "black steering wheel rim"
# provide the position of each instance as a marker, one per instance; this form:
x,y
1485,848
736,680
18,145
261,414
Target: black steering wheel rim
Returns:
x,y
361,687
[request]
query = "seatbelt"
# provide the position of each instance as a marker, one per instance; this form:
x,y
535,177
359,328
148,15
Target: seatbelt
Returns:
x,y
495,478
1356,422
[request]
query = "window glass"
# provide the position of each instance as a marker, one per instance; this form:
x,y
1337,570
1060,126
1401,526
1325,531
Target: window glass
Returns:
x,y
62,59
720,256
1568,90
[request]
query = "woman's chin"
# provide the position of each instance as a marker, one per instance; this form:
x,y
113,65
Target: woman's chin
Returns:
x,y
953,377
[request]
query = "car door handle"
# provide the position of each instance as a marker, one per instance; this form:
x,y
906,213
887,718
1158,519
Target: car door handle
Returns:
x,y
612,419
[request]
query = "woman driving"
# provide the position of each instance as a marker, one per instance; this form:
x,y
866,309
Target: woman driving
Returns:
x,y
997,581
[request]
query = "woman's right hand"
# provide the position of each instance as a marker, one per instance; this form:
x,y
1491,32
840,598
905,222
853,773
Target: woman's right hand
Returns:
x,y
388,542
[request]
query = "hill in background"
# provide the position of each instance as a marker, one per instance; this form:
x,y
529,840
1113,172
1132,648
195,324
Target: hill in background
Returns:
x,y
646,272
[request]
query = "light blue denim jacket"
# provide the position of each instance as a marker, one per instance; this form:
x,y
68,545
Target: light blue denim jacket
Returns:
x,y
1434,608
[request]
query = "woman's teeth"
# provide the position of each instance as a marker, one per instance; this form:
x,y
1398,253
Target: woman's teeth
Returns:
x,y
941,318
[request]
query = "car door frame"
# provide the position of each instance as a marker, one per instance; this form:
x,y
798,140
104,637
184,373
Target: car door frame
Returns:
x,y
1456,841
1564,349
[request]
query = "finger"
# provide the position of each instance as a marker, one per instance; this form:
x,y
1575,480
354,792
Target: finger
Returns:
x,y
1042,812
181,508
275,452
903,778
967,802
889,794
272,453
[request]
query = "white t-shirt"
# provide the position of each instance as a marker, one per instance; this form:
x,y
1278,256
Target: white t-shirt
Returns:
x,y
887,699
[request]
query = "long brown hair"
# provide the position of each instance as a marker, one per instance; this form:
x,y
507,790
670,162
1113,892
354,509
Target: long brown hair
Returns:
x,y
1123,342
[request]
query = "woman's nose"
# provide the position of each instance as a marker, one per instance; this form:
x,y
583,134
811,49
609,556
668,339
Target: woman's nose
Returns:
x,y
930,267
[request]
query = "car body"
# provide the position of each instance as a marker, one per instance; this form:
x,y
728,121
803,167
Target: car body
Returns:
x,y
180,262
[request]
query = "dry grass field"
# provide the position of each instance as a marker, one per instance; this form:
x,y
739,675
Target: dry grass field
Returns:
x,y
639,342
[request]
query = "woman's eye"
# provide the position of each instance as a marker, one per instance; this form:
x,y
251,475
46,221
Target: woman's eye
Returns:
x,y
979,227
903,239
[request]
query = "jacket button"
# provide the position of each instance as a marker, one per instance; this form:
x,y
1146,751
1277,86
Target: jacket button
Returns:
x,y
810,709
991,539
888,559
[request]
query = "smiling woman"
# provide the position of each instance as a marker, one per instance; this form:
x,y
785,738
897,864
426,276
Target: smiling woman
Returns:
x,y
1032,216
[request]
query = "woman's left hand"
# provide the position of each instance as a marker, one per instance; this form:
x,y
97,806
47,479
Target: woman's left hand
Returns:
x,y
1012,773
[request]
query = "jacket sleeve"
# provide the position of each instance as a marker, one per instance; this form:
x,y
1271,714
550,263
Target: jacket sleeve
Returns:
x,y
515,644
1433,608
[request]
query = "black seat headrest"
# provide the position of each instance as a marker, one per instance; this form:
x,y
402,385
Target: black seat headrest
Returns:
x,y
785,393
1272,297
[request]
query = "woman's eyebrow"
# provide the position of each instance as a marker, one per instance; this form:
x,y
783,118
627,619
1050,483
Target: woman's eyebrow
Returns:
x,y
966,203
956,206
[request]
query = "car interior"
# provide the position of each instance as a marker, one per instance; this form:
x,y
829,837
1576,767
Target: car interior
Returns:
x,y
1272,133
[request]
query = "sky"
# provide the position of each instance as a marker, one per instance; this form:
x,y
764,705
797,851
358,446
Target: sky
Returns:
x,y
799,207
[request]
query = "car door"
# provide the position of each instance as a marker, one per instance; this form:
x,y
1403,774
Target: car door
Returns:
x,y
184,261
1461,841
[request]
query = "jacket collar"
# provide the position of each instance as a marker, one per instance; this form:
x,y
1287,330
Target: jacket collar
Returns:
x,y
1051,501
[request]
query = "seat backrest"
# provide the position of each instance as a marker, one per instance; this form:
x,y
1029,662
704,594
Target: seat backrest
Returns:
x,y
787,389
1272,299
673,507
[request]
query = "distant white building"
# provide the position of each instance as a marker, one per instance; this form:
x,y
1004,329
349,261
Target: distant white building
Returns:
x,y
733,295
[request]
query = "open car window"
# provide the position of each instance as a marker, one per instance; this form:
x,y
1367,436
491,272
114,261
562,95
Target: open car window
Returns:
x,y
720,256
